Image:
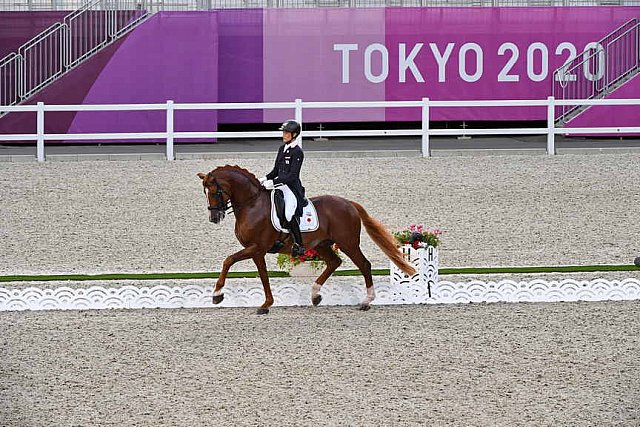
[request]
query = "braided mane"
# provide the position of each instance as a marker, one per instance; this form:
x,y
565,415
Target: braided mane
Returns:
x,y
237,169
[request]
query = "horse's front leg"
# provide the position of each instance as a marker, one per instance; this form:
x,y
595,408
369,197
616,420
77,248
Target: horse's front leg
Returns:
x,y
264,277
246,253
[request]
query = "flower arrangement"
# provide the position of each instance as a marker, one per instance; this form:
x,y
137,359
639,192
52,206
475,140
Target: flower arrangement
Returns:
x,y
287,262
418,236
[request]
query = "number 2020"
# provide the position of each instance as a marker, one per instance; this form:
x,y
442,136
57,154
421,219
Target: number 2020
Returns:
x,y
592,63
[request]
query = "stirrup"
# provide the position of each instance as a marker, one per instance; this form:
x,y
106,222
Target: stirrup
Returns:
x,y
297,250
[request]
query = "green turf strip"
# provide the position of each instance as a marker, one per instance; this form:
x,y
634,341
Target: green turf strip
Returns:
x,y
376,272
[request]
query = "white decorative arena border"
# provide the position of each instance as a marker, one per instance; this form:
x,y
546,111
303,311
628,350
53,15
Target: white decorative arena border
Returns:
x,y
251,294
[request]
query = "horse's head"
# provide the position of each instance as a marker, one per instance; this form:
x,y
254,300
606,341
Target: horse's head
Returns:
x,y
217,197
229,182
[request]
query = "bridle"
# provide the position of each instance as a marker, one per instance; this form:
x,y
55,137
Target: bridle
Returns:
x,y
222,206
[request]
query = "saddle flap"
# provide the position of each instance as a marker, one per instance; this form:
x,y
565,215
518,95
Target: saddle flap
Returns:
x,y
278,203
308,221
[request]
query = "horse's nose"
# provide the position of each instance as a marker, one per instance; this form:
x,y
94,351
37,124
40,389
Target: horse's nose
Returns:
x,y
216,217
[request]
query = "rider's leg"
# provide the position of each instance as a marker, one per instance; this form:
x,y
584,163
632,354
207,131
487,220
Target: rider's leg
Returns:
x,y
294,226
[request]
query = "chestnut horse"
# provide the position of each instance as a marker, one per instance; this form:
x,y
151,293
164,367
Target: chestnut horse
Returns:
x,y
231,187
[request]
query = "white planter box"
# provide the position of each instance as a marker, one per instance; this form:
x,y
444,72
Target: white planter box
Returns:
x,y
305,269
425,261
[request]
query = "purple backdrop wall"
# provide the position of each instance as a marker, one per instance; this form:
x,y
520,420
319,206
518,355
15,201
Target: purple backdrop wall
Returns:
x,y
240,59
255,55
17,28
440,53
171,56
495,53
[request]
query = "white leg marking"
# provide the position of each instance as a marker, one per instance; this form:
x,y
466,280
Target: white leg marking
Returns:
x,y
217,293
371,295
315,289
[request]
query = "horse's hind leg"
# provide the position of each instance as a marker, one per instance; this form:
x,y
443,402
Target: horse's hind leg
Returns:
x,y
363,264
332,262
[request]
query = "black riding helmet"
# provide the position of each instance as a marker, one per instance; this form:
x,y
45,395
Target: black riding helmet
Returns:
x,y
291,126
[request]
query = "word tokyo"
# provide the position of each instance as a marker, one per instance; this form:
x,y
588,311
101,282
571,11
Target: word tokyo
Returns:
x,y
471,61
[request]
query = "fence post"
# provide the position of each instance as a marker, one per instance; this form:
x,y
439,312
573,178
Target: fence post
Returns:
x,y
40,132
19,79
170,155
551,118
426,146
298,117
65,46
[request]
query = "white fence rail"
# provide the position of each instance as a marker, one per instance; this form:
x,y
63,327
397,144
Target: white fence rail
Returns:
x,y
298,106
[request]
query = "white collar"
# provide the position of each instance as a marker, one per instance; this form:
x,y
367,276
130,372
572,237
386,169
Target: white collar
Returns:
x,y
295,143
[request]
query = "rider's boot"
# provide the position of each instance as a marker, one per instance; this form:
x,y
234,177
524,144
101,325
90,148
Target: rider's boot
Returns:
x,y
294,227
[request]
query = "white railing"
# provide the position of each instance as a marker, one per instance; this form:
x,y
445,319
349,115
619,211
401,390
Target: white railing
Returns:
x,y
298,106
98,23
42,61
64,45
10,73
599,70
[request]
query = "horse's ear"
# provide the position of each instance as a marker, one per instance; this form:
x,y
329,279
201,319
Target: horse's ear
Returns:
x,y
201,175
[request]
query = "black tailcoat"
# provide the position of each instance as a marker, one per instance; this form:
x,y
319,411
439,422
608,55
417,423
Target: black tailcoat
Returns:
x,y
287,171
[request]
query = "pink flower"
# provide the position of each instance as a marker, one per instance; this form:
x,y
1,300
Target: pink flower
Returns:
x,y
412,227
420,228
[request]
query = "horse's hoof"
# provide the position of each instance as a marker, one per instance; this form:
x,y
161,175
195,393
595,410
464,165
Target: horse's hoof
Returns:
x,y
217,299
364,307
637,261
316,300
262,310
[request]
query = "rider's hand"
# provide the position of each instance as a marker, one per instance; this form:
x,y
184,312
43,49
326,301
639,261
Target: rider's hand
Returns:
x,y
262,180
268,184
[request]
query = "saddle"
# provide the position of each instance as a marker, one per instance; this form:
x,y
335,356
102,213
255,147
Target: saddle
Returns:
x,y
283,206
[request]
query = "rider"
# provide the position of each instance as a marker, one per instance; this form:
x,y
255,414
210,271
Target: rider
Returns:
x,y
287,171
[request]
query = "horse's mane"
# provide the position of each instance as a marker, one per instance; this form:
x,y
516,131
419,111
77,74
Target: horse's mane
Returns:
x,y
237,169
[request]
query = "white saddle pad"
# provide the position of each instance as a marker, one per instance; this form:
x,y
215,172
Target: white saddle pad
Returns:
x,y
309,219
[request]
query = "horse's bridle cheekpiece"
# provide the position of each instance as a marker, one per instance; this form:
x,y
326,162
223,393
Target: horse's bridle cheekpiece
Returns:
x,y
221,206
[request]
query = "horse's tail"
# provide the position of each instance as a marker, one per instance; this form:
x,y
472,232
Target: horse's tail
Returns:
x,y
384,240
